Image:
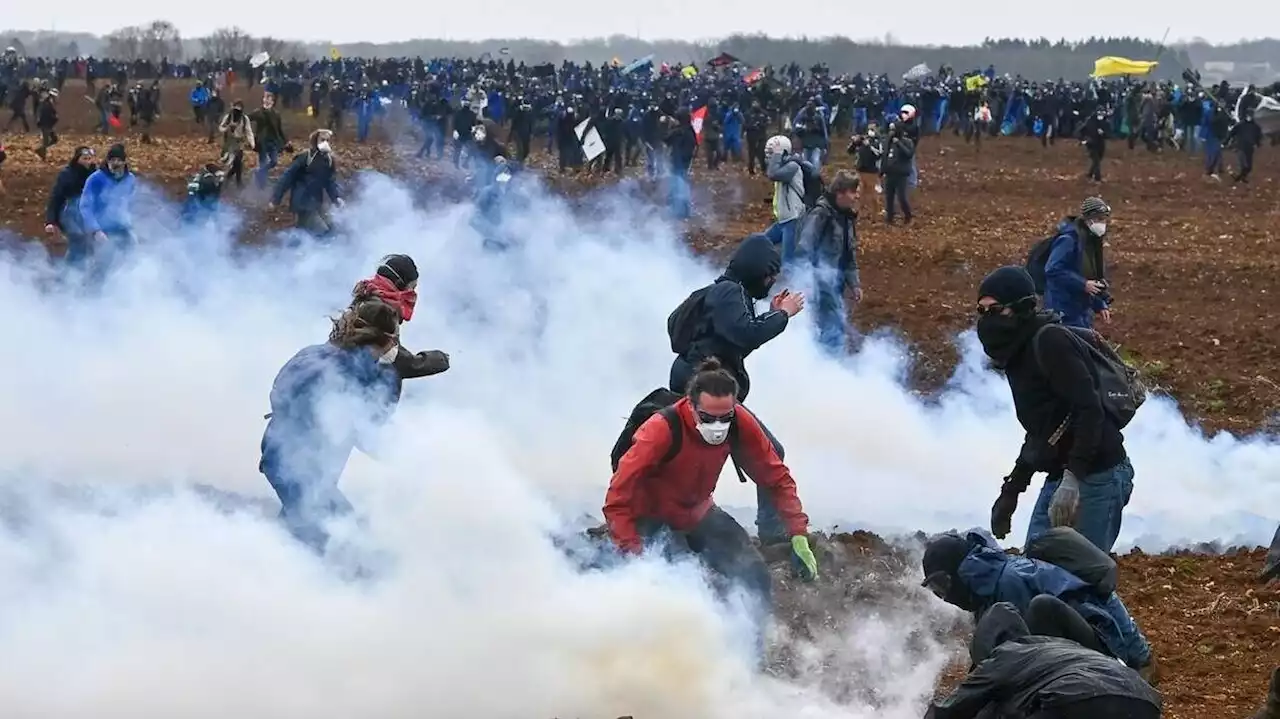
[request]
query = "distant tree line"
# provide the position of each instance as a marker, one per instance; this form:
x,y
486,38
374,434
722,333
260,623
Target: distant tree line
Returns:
x,y
1038,59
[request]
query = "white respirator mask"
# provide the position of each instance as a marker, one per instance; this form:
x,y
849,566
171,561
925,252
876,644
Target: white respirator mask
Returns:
x,y
389,356
714,433
1098,228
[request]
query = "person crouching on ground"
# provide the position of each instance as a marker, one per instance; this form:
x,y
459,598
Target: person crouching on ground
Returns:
x,y
310,177
649,498
327,400
396,283
1042,676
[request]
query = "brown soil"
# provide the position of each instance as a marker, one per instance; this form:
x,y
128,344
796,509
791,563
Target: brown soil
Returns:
x,y
1194,279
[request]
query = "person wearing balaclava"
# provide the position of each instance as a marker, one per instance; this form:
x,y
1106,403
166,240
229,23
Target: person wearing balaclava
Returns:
x,y
972,572
1075,272
395,282
237,136
62,215
1018,671
106,207
310,177
726,327
1068,433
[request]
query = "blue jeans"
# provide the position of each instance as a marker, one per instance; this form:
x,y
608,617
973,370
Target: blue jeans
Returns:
x,y
1212,156
304,509
267,159
831,319
783,234
914,178
814,156
679,194
1103,497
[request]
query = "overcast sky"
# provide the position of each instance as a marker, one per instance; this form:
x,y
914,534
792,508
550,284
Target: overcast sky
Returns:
x,y
919,22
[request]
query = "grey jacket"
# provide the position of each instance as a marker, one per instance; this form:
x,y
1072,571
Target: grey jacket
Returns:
x,y
785,169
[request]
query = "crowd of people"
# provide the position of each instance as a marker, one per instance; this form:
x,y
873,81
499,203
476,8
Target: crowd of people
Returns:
x,y
1053,638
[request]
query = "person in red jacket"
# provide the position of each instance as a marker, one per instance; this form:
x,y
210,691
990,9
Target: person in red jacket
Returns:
x,y
647,495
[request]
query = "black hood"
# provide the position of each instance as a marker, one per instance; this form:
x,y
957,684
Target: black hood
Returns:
x,y
1002,623
755,260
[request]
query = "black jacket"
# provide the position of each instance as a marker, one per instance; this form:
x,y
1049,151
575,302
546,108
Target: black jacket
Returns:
x,y
729,329
1045,392
1017,674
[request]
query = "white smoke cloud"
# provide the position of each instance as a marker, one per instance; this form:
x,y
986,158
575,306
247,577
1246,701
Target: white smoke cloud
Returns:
x,y
125,594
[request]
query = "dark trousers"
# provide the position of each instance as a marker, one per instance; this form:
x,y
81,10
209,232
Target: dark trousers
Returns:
x,y
726,549
1102,708
895,195
1096,154
1049,616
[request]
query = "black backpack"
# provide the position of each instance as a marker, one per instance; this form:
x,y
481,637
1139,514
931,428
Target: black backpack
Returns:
x,y
1120,385
1038,261
813,186
660,401
685,320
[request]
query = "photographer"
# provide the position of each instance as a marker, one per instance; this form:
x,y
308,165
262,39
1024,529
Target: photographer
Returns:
x,y
1075,273
896,165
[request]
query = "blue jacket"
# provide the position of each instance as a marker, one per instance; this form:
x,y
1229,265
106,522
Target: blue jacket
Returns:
x,y
1064,276
106,203
993,576
200,97
309,178
325,402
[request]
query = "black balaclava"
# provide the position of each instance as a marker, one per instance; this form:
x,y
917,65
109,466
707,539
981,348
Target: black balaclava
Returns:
x,y
755,265
1003,335
942,558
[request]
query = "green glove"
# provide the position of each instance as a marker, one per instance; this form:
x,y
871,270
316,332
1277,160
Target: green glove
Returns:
x,y
809,563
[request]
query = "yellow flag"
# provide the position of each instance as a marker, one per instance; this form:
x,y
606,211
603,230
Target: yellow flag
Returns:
x,y
333,53
1113,66
973,82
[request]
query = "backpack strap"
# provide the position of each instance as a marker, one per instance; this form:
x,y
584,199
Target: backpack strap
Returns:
x,y
677,433
1039,357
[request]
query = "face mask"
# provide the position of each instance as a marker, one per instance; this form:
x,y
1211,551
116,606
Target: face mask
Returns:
x,y
323,146
1098,228
389,356
998,333
713,433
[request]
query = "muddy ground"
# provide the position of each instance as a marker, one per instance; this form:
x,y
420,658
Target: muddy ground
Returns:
x,y
1195,281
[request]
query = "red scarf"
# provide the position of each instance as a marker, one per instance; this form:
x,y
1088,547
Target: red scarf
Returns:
x,y
385,290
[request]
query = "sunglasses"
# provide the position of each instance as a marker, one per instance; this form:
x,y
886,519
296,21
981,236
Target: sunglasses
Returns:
x,y
708,418
984,310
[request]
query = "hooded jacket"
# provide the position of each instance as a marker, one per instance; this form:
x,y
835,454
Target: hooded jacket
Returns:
x,y
105,204
679,492
1020,674
828,237
1074,257
729,328
63,210
325,401
787,172
987,575
308,179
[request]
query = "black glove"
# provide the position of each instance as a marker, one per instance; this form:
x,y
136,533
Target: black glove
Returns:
x,y
1002,511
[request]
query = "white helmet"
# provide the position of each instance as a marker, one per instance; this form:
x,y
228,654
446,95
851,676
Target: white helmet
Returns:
x,y
908,112
777,145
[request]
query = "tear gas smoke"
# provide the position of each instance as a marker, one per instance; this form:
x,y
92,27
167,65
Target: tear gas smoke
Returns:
x,y
124,593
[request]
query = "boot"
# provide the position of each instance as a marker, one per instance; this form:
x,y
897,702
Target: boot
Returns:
x,y
1271,710
1271,568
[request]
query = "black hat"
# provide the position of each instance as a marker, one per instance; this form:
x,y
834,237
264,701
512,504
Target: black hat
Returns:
x,y
1007,285
116,152
400,269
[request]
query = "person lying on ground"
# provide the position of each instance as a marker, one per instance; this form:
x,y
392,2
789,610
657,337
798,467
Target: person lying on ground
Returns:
x,y
395,282
327,400
652,495
972,572
1019,673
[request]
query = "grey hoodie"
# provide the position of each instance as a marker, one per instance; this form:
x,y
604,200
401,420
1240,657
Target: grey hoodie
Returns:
x,y
788,185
